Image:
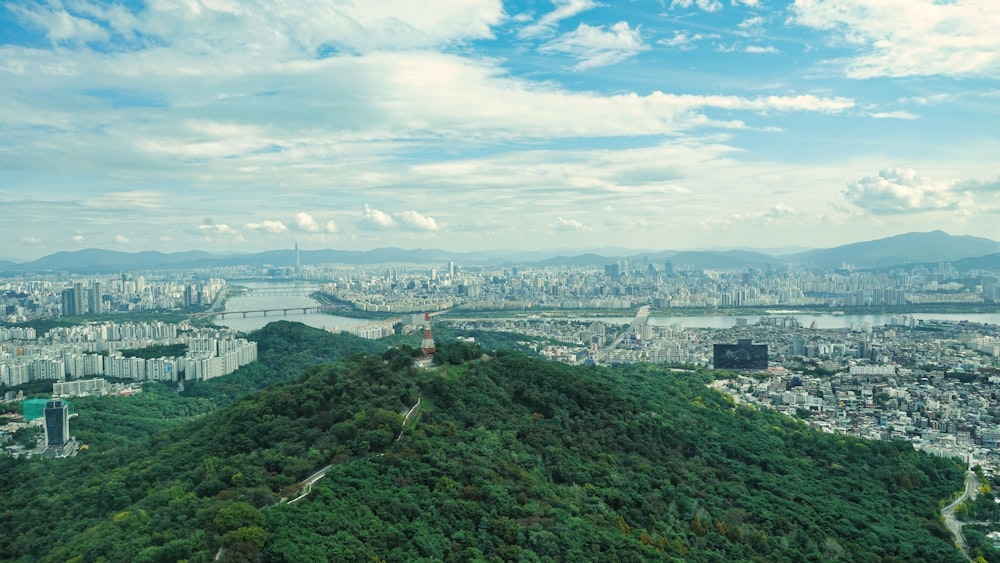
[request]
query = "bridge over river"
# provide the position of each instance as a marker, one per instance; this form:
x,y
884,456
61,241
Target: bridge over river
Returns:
x,y
282,291
264,312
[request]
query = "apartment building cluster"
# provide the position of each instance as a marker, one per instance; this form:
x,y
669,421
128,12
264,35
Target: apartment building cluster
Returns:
x,y
95,349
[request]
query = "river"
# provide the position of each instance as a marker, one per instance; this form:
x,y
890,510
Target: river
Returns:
x,y
254,321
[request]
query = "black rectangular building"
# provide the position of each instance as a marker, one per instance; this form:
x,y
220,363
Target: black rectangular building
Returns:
x,y
742,355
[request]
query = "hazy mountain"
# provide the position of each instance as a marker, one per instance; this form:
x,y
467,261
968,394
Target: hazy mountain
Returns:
x,y
777,251
98,260
578,260
907,248
989,262
910,248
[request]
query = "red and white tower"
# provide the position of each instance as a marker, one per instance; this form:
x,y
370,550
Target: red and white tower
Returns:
x,y
427,344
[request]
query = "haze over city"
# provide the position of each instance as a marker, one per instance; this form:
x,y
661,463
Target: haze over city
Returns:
x,y
479,124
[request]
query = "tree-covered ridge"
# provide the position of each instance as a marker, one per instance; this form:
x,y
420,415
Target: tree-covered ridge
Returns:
x,y
518,459
511,458
284,350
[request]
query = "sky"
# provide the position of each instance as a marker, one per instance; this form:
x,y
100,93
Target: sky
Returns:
x,y
248,125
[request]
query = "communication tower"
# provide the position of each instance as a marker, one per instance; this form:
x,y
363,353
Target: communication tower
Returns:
x,y
427,344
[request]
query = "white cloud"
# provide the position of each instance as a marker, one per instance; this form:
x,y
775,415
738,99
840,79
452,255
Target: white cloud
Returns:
x,y
684,41
903,191
596,47
122,239
416,221
375,219
306,222
751,26
762,50
422,96
221,228
60,26
563,224
564,9
910,37
209,229
774,215
31,240
928,100
78,238
706,5
260,26
898,114
267,226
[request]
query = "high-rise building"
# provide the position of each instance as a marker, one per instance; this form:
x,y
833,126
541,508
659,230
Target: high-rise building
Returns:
x,y
56,423
798,346
96,299
68,302
79,299
298,261
991,289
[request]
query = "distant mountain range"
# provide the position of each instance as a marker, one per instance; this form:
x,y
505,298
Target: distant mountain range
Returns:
x,y
909,248
906,249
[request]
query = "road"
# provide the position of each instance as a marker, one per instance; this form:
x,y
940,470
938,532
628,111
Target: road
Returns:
x,y
948,512
641,318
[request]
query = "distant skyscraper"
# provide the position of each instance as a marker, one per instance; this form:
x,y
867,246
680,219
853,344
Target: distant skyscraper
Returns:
x,y
991,289
451,270
56,423
68,302
79,299
96,299
298,261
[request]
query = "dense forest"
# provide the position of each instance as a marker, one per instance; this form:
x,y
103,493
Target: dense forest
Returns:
x,y
507,458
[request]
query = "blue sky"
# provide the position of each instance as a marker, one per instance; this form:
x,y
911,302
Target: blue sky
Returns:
x,y
228,125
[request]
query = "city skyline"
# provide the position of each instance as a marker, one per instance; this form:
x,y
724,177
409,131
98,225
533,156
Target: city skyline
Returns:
x,y
478,125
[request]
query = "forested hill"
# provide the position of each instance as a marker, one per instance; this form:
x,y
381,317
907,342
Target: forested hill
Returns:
x,y
509,458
